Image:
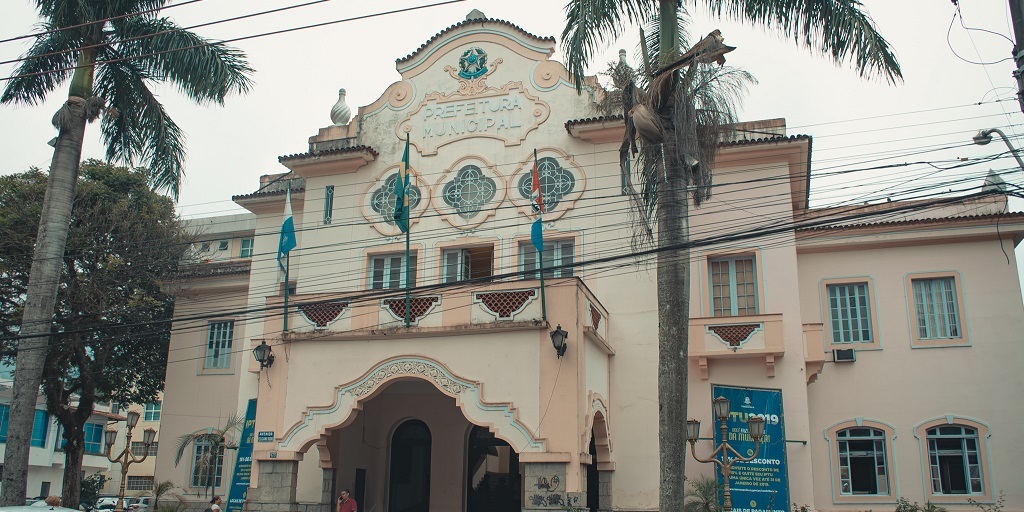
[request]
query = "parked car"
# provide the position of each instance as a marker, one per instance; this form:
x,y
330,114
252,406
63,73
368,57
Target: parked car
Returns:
x,y
106,502
139,503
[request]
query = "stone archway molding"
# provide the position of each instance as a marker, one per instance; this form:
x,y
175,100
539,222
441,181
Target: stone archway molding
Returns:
x,y
501,418
598,427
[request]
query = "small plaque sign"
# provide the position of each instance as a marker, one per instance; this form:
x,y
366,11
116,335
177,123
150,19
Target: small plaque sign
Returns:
x,y
265,436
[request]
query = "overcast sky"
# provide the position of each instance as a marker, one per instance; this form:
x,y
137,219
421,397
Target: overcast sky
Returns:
x,y
856,123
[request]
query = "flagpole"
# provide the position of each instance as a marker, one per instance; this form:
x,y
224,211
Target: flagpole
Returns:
x,y
408,291
287,265
540,250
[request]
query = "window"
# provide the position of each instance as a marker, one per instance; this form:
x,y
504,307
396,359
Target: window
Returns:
x,y
5,413
94,438
40,426
935,302
207,467
387,271
222,245
556,254
140,483
954,460
152,413
139,449
328,203
848,310
205,247
733,283
466,263
246,251
936,308
218,345
862,462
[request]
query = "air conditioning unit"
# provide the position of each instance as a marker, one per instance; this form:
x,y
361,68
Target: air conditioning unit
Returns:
x,y
846,355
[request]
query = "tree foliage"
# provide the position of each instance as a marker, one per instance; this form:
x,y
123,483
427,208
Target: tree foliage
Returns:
x,y
111,329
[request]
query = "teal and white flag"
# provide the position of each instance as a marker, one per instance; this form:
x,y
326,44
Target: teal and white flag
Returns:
x,y
287,242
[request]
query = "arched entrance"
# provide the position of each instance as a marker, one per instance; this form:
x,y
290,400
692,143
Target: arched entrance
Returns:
x,y
492,474
409,471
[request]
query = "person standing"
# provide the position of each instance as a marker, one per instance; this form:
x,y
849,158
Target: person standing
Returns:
x,y
215,504
346,503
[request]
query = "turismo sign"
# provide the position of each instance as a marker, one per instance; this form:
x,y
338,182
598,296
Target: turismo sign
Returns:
x,y
507,114
761,485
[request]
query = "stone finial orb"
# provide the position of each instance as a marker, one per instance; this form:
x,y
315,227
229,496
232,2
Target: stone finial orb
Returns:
x,y
340,113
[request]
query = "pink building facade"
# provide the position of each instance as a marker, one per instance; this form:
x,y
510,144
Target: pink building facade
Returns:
x,y
880,342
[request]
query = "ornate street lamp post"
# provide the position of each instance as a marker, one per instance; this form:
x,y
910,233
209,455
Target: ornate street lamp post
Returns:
x,y
126,457
721,456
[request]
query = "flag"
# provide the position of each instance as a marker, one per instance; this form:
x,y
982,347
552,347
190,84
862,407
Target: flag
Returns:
x,y
287,242
402,191
536,232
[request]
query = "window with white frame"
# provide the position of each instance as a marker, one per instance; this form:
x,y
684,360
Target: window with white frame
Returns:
x,y
556,254
936,308
862,462
139,449
93,438
387,271
954,460
246,251
152,412
733,283
139,483
218,345
207,466
849,312
466,263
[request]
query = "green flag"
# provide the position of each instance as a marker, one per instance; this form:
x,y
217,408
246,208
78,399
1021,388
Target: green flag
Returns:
x,y
402,190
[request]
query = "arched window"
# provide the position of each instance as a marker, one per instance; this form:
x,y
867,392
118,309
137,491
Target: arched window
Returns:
x,y
409,486
954,459
863,467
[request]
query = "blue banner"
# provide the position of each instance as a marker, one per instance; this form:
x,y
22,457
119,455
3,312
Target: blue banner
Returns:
x,y
243,465
761,485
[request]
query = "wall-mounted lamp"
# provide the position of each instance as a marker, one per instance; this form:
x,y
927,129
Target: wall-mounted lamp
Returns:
x,y
558,337
263,355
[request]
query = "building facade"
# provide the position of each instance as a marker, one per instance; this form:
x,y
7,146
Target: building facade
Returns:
x,y
858,333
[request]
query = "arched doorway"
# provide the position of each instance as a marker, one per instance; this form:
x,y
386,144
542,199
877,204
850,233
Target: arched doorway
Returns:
x,y
409,482
492,474
593,479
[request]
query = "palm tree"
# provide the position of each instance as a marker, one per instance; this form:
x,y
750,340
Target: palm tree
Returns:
x,y
112,56
837,28
208,445
703,495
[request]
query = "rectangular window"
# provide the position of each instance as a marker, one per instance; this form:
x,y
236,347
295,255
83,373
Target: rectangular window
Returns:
x,y
387,271
556,254
467,263
849,312
206,466
328,203
937,312
40,426
139,449
954,460
5,413
222,245
139,483
152,413
218,345
246,251
733,286
94,438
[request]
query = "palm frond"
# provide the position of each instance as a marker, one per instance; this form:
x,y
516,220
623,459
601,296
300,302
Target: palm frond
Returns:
x,y
652,37
702,495
840,29
34,78
204,71
589,23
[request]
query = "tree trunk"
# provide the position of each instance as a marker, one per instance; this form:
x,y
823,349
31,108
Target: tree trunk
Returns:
x,y
673,292
47,262
74,450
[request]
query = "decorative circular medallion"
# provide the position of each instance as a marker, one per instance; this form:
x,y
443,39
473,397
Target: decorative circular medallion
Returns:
x,y
556,182
384,198
468,191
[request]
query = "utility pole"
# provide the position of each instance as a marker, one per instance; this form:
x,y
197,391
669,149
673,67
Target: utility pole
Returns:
x,y
1017,17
